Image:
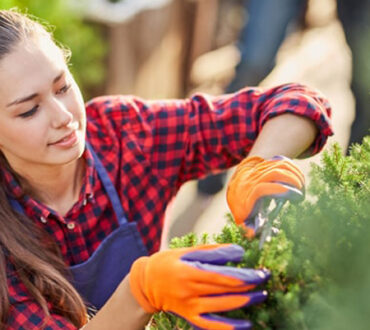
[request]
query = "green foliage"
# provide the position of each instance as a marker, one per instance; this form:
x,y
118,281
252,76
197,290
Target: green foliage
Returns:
x,y
333,233
85,40
166,321
320,258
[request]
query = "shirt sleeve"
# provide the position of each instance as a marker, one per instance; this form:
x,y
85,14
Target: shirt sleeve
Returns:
x,y
29,315
26,313
186,139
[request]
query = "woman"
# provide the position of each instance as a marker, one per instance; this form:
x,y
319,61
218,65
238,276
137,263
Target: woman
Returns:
x,y
84,190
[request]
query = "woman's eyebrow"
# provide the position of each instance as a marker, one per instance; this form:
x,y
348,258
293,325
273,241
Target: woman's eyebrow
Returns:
x,y
22,99
59,76
30,97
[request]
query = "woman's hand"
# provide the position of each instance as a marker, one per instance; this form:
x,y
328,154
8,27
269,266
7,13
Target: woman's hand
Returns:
x,y
256,179
194,283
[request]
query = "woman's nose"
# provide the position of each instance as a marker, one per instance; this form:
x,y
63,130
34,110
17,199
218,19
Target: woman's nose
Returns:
x,y
60,115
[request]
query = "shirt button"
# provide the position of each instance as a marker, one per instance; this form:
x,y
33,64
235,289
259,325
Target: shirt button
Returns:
x,y
43,220
71,225
84,202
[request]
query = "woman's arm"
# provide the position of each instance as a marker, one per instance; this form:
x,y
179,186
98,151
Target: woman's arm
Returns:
x,y
182,140
192,283
121,311
204,133
288,135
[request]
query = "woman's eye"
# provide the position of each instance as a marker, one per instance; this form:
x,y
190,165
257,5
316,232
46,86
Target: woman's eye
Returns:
x,y
29,113
64,89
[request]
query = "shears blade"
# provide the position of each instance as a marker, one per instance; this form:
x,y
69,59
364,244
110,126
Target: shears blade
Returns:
x,y
264,222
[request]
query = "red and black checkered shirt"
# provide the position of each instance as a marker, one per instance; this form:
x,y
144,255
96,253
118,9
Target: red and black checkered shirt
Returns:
x,y
150,148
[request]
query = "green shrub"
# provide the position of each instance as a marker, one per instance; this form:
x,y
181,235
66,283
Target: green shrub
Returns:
x,y
85,40
320,258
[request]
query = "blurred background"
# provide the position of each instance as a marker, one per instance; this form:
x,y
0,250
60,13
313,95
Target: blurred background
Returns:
x,y
159,49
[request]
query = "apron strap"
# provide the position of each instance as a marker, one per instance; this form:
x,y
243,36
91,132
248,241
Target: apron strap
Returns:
x,y
109,187
15,205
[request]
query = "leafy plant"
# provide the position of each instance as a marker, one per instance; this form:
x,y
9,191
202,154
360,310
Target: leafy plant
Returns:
x,y
320,258
85,40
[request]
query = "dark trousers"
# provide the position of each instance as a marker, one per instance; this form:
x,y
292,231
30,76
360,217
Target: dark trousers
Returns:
x,y
355,18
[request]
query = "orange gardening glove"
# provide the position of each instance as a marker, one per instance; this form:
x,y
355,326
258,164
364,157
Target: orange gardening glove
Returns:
x,y
194,283
256,179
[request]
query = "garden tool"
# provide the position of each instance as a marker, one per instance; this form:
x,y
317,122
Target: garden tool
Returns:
x,y
264,223
195,283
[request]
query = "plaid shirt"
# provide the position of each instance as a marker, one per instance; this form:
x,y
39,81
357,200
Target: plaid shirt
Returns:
x,y
150,148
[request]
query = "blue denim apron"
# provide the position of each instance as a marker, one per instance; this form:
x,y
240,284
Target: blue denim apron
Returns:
x,y
97,278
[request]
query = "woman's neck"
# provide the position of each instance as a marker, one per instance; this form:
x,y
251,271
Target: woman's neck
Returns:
x,y
56,186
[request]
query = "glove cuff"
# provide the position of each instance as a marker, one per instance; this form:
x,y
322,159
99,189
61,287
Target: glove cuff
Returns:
x,y
251,161
136,280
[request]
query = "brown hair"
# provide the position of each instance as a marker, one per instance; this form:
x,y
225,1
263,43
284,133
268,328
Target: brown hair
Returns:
x,y
32,252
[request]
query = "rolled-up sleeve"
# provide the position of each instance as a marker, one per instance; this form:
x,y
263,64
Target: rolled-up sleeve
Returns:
x,y
187,139
302,101
207,133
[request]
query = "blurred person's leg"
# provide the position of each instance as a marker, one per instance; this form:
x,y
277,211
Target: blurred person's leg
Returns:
x,y
259,42
185,221
211,184
261,38
355,18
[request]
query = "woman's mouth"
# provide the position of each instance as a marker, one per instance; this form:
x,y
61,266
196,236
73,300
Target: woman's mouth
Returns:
x,y
66,142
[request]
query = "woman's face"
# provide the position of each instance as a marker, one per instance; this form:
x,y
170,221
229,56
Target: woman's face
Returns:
x,y
42,113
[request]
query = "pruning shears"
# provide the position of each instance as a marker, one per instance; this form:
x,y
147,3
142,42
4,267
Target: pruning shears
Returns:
x,y
264,222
